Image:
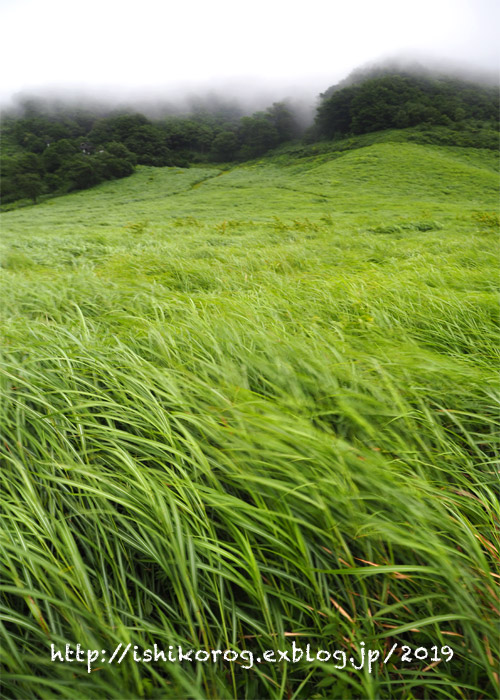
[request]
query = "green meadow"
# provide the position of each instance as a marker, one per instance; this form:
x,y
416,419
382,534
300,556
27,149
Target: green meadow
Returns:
x,y
249,406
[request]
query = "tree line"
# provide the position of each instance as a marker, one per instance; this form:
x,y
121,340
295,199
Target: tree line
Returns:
x,y
65,150
401,101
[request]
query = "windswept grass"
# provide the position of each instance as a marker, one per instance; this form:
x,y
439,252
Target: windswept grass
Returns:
x,y
257,410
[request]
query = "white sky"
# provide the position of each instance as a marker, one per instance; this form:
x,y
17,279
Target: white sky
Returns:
x,y
114,46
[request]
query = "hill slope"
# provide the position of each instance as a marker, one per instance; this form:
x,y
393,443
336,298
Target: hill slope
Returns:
x,y
249,407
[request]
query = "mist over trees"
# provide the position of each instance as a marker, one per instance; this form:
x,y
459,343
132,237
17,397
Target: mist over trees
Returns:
x,y
61,150
381,99
52,147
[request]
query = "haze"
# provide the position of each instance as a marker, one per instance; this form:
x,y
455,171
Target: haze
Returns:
x,y
106,48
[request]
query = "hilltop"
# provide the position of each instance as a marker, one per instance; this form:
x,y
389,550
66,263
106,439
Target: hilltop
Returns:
x,y
385,98
52,148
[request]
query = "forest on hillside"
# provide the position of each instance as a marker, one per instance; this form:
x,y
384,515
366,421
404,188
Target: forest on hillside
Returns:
x,y
47,151
401,101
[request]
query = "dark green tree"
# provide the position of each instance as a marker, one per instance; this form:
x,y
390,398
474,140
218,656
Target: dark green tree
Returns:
x,y
79,173
119,150
148,144
57,154
224,146
28,185
284,121
256,135
109,167
21,177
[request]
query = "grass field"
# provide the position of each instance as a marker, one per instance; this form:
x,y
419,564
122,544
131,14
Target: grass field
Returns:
x,y
247,407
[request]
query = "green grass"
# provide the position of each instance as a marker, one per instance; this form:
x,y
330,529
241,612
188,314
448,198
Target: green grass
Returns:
x,y
241,406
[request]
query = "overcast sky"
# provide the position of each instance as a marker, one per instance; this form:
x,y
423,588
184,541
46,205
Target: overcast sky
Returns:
x,y
118,46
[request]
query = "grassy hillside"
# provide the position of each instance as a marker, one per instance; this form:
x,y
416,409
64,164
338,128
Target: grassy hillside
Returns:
x,y
244,408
